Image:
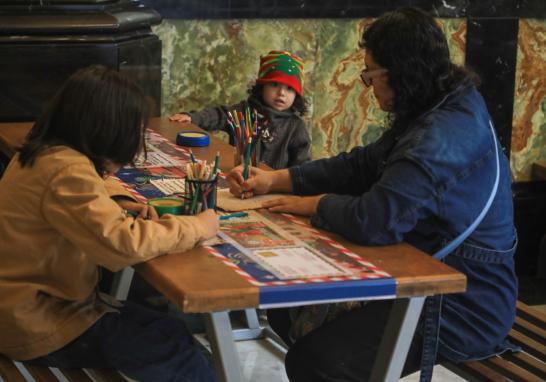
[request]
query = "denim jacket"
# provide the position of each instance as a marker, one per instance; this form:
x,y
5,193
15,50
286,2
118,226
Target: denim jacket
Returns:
x,y
425,184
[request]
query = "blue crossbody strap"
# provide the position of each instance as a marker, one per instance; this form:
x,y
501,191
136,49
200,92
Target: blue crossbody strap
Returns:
x,y
459,239
433,305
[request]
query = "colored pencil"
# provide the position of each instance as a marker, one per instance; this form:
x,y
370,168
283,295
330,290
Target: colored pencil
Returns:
x,y
247,159
216,161
192,157
233,215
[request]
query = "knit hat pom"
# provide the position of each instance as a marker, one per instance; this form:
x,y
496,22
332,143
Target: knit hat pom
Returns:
x,y
282,67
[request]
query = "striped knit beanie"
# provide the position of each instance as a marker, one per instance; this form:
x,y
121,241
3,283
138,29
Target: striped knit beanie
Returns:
x,y
282,67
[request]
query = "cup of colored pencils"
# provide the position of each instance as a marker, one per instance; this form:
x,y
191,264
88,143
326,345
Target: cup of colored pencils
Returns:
x,y
200,185
246,132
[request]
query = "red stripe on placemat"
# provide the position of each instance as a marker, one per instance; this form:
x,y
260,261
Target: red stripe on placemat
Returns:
x,y
233,266
132,191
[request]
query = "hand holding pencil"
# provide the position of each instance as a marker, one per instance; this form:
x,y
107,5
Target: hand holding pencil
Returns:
x,y
258,182
255,183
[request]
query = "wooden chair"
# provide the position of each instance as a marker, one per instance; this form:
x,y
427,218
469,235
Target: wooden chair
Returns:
x,y
529,332
13,371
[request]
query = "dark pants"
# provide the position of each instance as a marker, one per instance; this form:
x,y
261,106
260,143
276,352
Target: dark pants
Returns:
x,y
341,350
143,344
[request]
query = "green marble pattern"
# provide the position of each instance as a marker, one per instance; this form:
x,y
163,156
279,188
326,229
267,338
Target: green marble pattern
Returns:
x,y
529,122
211,62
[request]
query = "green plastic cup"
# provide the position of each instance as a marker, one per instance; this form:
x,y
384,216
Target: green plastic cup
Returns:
x,y
164,206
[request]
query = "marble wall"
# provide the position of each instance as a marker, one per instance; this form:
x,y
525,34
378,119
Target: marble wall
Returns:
x,y
529,121
211,62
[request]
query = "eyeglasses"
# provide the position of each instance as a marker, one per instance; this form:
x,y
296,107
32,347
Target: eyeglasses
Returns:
x,y
367,76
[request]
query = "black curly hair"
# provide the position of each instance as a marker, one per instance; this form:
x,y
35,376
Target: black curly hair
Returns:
x,y
299,106
410,44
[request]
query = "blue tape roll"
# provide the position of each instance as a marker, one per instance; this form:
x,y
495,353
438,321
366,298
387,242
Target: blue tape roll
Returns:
x,y
192,138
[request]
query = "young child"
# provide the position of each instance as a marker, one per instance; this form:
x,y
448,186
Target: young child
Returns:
x,y
277,97
59,224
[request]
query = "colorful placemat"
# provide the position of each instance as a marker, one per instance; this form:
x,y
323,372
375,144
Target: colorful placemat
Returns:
x,y
162,173
364,281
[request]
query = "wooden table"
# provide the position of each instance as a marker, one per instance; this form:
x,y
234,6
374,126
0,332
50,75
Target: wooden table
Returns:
x,y
198,282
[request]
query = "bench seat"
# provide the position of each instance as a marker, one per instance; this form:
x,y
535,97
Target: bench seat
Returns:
x,y
12,371
529,332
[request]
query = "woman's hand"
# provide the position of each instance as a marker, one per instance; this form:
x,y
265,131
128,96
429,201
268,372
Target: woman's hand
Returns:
x,y
297,205
181,117
143,211
259,182
209,220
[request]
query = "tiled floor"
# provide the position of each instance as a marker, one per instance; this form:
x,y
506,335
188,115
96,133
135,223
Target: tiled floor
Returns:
x,y
262,361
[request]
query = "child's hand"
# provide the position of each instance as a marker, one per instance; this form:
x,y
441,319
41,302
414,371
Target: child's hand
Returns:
x,y
258,182
298,205
183,118
143,211
209,220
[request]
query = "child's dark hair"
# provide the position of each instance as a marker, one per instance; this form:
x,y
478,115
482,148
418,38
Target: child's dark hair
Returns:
x,y
299,106
97,112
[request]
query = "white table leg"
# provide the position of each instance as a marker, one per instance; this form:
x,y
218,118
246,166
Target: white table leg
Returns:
x,y
224,354
122,283
253,330
393,350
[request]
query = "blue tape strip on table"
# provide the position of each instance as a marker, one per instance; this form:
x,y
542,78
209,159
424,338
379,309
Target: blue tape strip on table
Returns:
x,y
327,292
192,139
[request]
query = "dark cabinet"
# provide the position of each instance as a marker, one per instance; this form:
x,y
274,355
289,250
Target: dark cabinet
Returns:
x,y
43,42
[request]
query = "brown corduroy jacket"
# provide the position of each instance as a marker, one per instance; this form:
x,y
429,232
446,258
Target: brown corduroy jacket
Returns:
x,y
57,225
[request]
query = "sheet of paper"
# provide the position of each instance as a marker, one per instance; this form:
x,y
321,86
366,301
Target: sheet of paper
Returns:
x,y
228,202
276,250
169,186
293,263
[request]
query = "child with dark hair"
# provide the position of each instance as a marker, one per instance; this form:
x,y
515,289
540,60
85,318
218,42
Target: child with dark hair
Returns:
x,y
60,222
277,97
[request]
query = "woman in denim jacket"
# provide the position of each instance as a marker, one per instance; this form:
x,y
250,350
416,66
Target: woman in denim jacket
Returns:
x,y
424,182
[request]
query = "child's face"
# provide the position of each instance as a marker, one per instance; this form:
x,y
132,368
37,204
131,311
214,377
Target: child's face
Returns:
x,y
111,167
278,96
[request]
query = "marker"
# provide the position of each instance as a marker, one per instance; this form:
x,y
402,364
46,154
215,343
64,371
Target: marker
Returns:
x,y
247,159
194,201
192,157
216,160
234,215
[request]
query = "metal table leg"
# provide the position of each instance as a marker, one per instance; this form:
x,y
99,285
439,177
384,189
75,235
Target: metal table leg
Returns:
x,y
253,330
396,341
224,354
252,318
122,283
